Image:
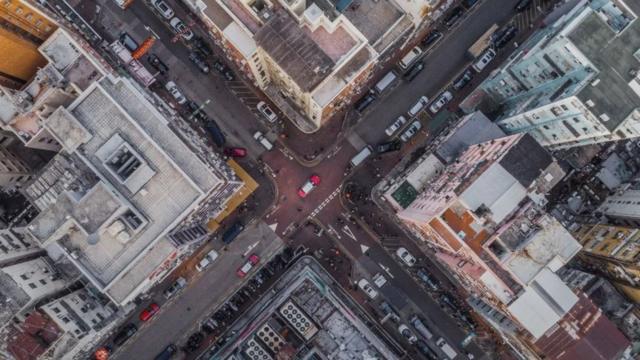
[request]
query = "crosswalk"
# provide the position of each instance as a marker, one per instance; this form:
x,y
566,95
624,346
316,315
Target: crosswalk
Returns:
x,y
527,18
326,201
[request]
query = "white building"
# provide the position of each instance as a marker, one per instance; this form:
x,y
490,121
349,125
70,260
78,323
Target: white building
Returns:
x,y
622,208
78,313
24,284
576,81
16,244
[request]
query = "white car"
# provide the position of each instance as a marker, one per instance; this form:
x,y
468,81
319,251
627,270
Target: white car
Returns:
x,y
407,333
411,131
180,28
379,280
401,120
267,112
406,256
165,10
441,101
207,260
422,102
367,288
172,88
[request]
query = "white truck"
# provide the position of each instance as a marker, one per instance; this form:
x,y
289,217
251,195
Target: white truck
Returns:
x,y
361,156
385,82
446,348
259,136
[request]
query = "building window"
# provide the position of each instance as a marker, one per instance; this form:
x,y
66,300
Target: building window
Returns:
x,y
24,277
32,285
564,107
65,319
43,282
56,310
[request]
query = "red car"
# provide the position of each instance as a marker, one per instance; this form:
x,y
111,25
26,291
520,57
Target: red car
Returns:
x,y
308,186
148,313
235,152
244,269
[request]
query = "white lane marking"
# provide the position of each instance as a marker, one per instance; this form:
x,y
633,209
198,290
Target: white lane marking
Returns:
x,y
386,269
273,227
347,230
326,201
334,231
364,248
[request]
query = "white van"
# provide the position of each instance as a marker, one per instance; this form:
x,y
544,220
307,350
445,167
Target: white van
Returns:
x,y
409,59
484,60
361,156
384,83
418,106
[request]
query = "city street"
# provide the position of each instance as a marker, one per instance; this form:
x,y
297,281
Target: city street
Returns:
x,y
232,105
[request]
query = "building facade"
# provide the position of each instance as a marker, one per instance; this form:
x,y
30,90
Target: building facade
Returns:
x,y
565,88
309,57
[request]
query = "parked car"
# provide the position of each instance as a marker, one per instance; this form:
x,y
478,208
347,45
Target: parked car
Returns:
x,y
422,102
367,288
237,152
406,256
167,353
502,37
199,61
128,42
244,269
149,311
421,327
207,260
175,92
180,28
484,60
523,5
223,70
411,131
463,80
431,38
175,288
427,279
202,46
407,333
454,16
396,125
157,64
364,102
216,134
309,185
388,147
232,233
425,350
414,71
440,102
164,9
125,334
267,112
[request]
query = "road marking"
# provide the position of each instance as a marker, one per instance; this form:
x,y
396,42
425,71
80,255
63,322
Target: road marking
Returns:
x,y
273,227
386,269
326,201
349,233
364,248
249,248
334,231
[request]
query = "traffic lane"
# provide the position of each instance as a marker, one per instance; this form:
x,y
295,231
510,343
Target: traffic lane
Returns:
x,y
179,317
375,259
443,62
290,176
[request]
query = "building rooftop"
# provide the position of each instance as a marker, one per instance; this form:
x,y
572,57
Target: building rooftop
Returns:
x,y
33,337
472,129
294,50
612,95
306,312
128,180
381,22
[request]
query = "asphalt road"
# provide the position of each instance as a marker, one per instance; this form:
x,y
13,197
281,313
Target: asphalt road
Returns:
x,y
443,62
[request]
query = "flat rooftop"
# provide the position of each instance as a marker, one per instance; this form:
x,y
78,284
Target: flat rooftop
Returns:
x,y
379,21
307,314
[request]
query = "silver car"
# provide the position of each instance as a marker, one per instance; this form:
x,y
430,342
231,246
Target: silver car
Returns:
x,y
441,101
165,10
400,121
411,131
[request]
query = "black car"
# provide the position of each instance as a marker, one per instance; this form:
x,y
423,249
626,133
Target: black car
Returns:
x,y
463,80
202,46
414,71
232,233
130,43
523,5
425,350
426,278
454,16
502,37
431,38
364,102
224,70
389,147
167,353
157,64
216,134
125,334
199,61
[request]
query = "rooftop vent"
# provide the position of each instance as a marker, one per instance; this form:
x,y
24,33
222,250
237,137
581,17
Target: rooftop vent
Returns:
x,y
298,320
